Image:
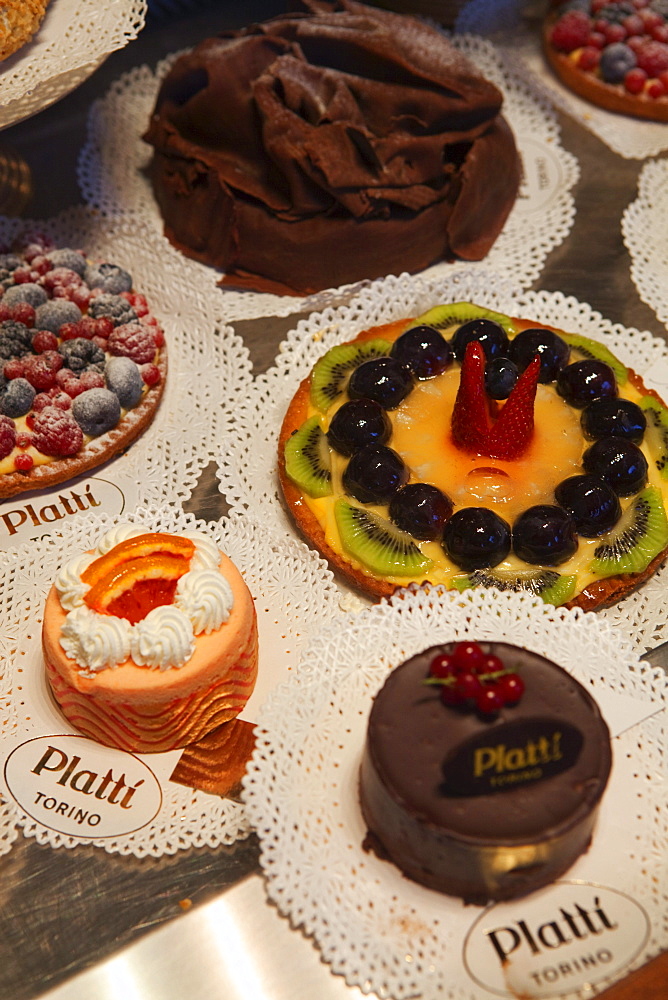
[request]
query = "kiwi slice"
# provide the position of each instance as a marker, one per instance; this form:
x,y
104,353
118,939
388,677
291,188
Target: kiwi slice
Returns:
x,y
638,537
308,459
331,372
656,434
377,543
552,587
456,313
595,350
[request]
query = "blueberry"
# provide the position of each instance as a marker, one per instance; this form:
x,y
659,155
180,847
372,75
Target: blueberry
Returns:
x,y
52,314
374,474
71,259
421,510
424,351
110,277
28,292
491,336
500,377
124,379
476,538
544,535
115,307
615,62
620,463
96,411
584,381
552,350
613,418
358,423
384,379
593,505
81,354
16,397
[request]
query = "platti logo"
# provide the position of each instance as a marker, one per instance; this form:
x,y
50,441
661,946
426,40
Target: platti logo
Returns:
x,y
27,521
569,936
81,789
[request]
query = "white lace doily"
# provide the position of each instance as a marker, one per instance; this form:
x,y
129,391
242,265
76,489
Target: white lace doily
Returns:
x,y
381,931
516,30
293,593
248,468
74,38
113,180
646,237
209,365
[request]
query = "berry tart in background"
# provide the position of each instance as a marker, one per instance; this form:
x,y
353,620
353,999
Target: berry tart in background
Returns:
x,y
483,769
613,53
82,364
468,448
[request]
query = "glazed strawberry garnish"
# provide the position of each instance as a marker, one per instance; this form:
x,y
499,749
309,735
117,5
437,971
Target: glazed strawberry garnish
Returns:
x,y
474,429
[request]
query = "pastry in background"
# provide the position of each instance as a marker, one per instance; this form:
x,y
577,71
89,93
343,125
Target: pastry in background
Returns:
x,y
323,147
19,21
150,641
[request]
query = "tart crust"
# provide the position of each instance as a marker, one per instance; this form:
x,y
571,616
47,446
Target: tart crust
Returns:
x,y
600,594
610,96
97,450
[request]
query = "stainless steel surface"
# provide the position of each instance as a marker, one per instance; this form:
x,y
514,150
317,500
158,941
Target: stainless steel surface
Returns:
x,y
75,922
658,656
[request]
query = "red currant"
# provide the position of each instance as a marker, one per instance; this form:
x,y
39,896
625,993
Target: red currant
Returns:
x,y
23,462
492,664
655,89
511,687
468,684
490,700
44,340
468,656
588,58
450,696
442,666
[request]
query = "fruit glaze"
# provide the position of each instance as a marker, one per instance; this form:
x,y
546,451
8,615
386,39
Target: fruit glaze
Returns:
x,y
82,360
612,52
468,448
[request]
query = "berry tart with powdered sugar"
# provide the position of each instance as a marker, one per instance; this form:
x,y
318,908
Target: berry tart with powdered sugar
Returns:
x,y
82,364
613,53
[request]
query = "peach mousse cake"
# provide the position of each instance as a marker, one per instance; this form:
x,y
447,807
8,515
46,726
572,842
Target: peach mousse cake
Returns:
x,y
150,641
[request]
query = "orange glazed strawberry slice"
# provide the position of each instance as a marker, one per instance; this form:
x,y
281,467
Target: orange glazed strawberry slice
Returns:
x,y
139,547
132,589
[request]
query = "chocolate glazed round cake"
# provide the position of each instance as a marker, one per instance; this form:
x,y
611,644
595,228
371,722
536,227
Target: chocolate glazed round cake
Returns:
x,y
483,807
320,148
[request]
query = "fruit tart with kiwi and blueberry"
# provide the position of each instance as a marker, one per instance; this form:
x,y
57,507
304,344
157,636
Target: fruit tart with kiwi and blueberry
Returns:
x,y
613,53
82,364
468,448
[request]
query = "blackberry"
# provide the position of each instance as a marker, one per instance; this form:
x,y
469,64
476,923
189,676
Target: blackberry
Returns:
x,y
16,397
96,411
15,339
70,259
81,354
110,277
115,307
28,292
125,380
54,313
615,13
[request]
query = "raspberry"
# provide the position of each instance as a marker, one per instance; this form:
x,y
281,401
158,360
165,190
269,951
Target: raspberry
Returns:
x,y
44,340
655,89
104,327
7,436
61,277
132,340
13,368
660,33
40,370
55,432
92,380
22,275
41,401
80,296
41,265
588,58
150,374
653,58
23,312
614,33
23,462
571,31
634,25
634,81
596,40
60,399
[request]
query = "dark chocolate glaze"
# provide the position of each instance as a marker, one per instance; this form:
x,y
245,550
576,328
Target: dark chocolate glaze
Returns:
x,y
450,842
328,146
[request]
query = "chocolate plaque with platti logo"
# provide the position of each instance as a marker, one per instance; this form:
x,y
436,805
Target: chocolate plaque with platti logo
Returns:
x,y
512,754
